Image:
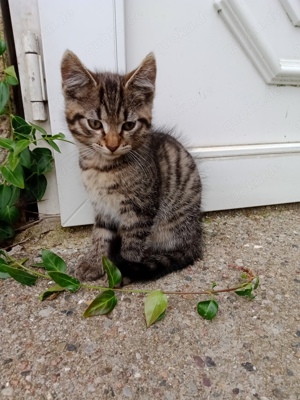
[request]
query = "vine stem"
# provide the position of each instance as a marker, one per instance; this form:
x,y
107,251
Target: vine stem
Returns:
x,y
210,292
102,288
29,270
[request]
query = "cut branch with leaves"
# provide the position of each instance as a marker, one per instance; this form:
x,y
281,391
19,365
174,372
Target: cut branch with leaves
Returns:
x,y
155,302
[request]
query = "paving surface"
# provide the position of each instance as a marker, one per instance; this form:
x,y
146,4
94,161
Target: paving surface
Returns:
x,y
251,350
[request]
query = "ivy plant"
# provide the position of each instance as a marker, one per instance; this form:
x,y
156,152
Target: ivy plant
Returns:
x,y
25,163
53,268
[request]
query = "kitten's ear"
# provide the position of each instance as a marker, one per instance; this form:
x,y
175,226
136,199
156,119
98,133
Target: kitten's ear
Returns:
x,y
74,74
143,78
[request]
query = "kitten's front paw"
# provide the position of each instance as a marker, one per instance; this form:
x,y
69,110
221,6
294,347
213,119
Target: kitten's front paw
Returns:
x,y
89,271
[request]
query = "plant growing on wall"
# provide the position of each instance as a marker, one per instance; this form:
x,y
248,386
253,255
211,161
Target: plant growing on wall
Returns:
x,y
24,165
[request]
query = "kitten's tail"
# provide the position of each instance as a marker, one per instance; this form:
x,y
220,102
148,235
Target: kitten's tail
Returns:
x,y
154,266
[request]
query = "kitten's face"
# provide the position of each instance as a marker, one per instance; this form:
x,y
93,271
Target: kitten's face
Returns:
x,y
108,113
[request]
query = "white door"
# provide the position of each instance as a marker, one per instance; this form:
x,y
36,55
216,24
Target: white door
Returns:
x,y
228,79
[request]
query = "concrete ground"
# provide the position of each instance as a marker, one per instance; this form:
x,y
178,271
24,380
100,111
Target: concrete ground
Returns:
x,y
251,350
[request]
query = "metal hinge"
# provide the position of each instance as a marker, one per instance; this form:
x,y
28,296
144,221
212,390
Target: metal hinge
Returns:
x,y
36,81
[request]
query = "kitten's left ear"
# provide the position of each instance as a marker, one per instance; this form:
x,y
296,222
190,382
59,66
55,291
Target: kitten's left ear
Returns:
x,y
143,78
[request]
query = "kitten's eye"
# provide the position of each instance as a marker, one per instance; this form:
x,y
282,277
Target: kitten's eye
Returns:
x,y
128,125
95,124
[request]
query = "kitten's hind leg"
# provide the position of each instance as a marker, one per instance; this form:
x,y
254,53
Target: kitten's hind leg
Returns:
x,y
90,268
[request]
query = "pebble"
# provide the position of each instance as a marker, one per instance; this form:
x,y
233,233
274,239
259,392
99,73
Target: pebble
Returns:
x,y
127,391
46,312
8,391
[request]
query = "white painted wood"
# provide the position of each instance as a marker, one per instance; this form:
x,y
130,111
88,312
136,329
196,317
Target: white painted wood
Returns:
x,y
267,179
237,16
24,15
243,133
96,34
292,8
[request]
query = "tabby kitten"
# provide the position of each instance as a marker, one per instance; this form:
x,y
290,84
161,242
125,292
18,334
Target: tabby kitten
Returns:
x,y
143,184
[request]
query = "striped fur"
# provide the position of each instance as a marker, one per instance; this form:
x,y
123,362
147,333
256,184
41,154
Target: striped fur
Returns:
x,y
143,184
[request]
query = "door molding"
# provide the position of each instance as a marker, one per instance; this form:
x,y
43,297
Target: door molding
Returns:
x,y
241,23
292,9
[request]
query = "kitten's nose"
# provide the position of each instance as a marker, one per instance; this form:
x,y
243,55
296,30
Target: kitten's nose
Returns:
x,y
112,148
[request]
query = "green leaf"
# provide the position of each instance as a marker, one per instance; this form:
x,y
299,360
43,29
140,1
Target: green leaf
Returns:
x,y
25,158
3,265
21,276
15,177
41,160
113,273
256,283
20,145
208,309
2,46
9,214
13,161
50,291
6,143
104,303
4,96
4,275
49,140
52,262
245,291
155,305
39,128
36,185
11,77
19,125
6,231
68,282
5,195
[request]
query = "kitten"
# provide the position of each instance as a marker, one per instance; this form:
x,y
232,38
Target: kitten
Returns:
x,y
144,186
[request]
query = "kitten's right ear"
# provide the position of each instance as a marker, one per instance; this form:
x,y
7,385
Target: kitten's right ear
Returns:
x,y
74,74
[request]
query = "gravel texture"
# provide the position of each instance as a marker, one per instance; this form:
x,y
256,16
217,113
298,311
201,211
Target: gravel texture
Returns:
x,y
251,350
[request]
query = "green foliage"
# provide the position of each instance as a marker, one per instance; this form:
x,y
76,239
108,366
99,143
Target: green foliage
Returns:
x,y
155,302
104,303
22,173
208,309
155,306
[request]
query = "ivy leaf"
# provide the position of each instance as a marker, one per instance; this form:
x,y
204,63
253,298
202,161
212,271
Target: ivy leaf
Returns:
x,y
36,185
6,231
41,160
4,96
6,143
208,309
5,195
256,283
104,303
155,305
3,264
50,291
25,158
20,145
2,47
21,276
51,143
245,291
113,273
66,281
15,177
11,77
20,126
52,262
13,161
3,273
9,214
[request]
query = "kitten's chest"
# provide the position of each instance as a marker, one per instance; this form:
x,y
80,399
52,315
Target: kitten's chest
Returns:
x,y
104,192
